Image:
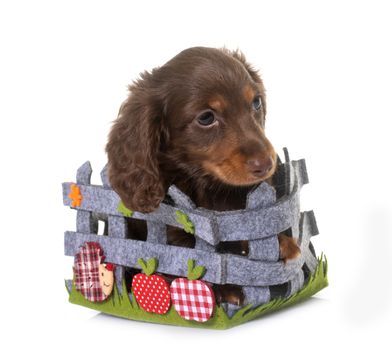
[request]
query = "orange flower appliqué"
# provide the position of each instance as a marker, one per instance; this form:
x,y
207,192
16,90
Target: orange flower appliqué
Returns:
x,y
75,195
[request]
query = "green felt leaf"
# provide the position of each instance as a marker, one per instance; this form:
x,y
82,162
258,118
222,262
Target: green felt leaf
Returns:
x,y
195,272
187,224
124,210
150,267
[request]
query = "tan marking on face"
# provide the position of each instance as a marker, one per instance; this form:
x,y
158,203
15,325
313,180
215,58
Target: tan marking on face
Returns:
x,y
233,171
249,93
218,103
106,279
229,165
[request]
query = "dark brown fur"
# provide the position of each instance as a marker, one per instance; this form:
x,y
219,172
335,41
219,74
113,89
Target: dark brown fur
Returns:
x,y
157,139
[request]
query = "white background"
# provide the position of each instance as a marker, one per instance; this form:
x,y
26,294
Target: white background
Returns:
x,y
64,68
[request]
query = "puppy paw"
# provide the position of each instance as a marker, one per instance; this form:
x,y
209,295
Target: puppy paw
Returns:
x,y
288,248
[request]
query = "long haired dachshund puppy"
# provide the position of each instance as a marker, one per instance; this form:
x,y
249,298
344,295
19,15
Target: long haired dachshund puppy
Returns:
x,y
196,122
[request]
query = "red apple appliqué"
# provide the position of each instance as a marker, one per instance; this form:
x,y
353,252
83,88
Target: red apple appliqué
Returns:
x,y
151,291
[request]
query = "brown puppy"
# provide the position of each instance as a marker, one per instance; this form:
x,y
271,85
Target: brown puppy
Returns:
x,y
196,122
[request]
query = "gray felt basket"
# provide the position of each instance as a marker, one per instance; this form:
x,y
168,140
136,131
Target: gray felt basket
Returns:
x,y
260,273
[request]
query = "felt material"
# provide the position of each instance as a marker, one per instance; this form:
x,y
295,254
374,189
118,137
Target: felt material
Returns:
x,y
230,309
310,260
201,244
308,222
83,174
195,271
260,222
205,225
119,274
266,249
95,198
172,259
152,293
156,232
187,224
256,295
220,268
117,226
68,285
296,283
149,266
263,196
286,155
86,222
121,208
245,272
75,195
87,269
180,199
211,226
124,306
290,177
193,300
104,177
308,229
300,166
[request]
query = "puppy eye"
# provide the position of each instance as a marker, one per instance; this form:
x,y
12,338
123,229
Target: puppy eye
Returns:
x,y
206,118
257,103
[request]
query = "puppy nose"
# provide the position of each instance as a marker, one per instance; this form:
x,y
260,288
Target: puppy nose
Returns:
x,y
259,167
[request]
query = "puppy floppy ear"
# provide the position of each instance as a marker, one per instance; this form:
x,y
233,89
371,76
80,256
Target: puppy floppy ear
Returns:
x,y
133,146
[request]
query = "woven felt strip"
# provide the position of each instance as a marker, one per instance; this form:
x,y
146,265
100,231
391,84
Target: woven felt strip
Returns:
x,y
156,232
118,228
171,258
83,174
193,300
181,200
103,200
261,197
221,268
209,226
105,177
256,295
296,283
266,249
86,222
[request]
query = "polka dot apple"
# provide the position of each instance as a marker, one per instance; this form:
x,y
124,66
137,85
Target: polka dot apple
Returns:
x,y
151,291
193,299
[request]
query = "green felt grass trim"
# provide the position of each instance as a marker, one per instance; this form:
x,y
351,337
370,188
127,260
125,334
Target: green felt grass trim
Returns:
x,y
124,210
187,224
123,306
195,272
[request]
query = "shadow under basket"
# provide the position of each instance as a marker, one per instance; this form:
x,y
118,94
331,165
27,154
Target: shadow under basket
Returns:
x,y
153,281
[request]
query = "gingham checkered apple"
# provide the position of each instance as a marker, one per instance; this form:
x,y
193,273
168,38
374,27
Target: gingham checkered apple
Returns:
x,y
193,299
151,291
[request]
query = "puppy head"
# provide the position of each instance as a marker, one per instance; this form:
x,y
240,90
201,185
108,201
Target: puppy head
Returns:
x,y
203,114
216,123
